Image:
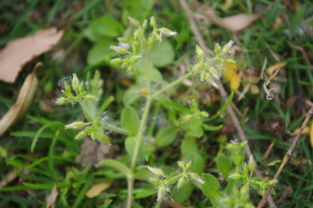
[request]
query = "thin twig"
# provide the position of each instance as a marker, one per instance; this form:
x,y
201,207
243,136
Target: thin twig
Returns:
x,y
223,94
287,156
268,151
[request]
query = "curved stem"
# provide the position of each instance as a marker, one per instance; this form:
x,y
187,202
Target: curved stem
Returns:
x,y
140,132
138,142
178,81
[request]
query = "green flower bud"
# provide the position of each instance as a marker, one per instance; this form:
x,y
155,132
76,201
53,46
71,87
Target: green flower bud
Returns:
x,y
75,83
134,22
67,87
180,182
156,171
153,22
196,178
235,176
61,101
244,190
81,135
90,97
227,47
119,50
166,32
75,125
116,61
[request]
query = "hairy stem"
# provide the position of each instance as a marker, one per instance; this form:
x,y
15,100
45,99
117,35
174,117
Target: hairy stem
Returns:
x,y
178,81
138,142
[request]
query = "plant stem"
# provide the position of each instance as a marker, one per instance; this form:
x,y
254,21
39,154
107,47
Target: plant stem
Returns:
x,y
140,133
130,187
178,81
138,142
158,204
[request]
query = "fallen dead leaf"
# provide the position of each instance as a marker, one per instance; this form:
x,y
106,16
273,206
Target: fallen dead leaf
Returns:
x,y
234,23
18,52
24,99
97,189
92,152
52,197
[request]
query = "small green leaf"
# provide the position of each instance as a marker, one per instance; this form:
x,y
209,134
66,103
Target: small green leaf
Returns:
x,y
130,145
211,185
100,53
183,193
166,136
118,166
138,9
130,120
193,127
187,146
163,54
102,27
131,95
197,162
224,164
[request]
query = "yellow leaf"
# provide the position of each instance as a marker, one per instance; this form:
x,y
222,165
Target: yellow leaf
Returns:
x,y
97,189
232,76
276,67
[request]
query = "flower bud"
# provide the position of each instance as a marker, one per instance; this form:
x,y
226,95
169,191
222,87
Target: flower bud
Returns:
x,y
156,171
81,135
116,61
227,47
75,125
90,97
166,32
153,22
134,22
119,50
235,176
61,101
75,83
180,182
196,178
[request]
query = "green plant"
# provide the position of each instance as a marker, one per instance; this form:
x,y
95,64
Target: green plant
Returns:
x,y
135,57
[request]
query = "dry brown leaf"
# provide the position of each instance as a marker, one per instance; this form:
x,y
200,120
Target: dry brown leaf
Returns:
x,y
271,70
235,23
52,197
18,52
97,189
24,99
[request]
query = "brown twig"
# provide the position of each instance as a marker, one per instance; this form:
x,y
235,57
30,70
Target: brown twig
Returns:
x,y
223,94
268,151
287,155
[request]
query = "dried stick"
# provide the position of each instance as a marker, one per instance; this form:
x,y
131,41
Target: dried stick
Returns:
x,y
223,94
287,155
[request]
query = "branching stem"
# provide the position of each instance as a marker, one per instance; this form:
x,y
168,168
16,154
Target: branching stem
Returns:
x,y
141,130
